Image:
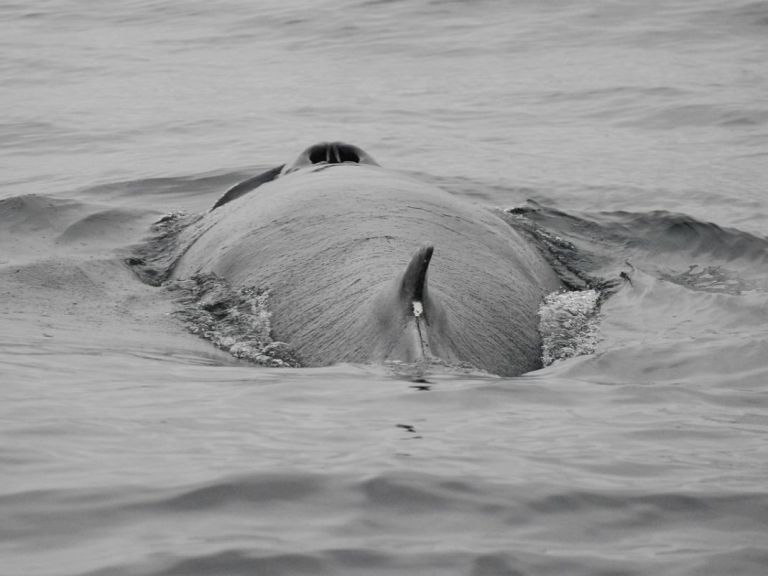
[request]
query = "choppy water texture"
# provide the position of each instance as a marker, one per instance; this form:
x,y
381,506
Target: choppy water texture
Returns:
x,y
629,138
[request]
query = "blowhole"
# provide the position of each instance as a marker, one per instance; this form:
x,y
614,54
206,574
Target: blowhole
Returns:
x,y
331,153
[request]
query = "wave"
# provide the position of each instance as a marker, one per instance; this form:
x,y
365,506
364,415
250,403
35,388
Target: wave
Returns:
x,y
604,246
293,522
34,228
70,292
159,193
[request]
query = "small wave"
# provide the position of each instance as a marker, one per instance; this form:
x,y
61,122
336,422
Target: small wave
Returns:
x,y
252,491
674,117
34,212
35,227
158,192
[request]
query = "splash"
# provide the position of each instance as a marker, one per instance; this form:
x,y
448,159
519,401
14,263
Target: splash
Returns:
x,y
236,321
568,324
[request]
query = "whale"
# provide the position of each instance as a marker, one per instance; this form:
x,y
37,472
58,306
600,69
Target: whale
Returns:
x,y
366,264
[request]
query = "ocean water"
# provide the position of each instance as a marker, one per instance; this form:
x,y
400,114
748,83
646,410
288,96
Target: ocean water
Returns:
x,y
631,135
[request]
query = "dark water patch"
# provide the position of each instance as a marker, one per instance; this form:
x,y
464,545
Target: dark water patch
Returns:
x,y
621,104
161,192
699,115
758,11
404,495
747,560
446,561
103,226
27,136
746,16
243,493
441,560
231,562
47,16
58,515
237,562
630,93
751,508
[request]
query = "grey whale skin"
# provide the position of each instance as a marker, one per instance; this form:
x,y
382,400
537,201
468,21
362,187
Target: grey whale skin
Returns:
x,y
368,265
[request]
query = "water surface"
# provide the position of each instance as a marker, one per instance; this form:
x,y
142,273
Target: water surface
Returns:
x,y
638,132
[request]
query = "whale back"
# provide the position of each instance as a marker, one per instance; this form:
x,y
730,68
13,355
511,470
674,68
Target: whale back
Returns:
x,y
332,243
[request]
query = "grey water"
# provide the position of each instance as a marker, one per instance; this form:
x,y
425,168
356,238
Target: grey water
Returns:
x,y
636,132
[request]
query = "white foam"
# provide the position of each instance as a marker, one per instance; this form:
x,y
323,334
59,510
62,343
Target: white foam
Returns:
x,y
568,324
237,321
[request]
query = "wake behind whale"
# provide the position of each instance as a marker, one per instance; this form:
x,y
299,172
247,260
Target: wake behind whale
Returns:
x,y
362,264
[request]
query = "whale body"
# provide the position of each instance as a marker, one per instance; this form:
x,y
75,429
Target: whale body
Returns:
x,y
368,265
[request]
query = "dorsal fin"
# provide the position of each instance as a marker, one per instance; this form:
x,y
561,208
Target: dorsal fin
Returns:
x,y
247,185
413,287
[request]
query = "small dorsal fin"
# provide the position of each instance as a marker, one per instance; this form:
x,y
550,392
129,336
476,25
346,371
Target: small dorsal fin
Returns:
x,y
406,313
413,288
247,185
